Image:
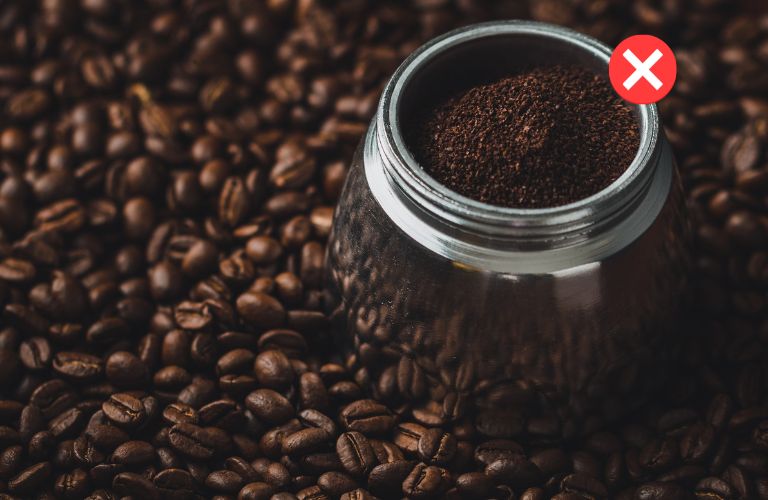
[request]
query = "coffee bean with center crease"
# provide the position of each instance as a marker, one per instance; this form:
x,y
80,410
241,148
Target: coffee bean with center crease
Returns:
x,y
367,416
425,481
124,410
77,366
356,454
437,447
191,440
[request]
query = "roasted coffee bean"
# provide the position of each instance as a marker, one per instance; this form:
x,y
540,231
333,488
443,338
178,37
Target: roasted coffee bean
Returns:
x,y
269,406
305,441
260,309
474,485
192,441
356,454
125,410
224,481
30,478
256,491
367,416
516,471
498,449
273,369
131,484
436,447
425,481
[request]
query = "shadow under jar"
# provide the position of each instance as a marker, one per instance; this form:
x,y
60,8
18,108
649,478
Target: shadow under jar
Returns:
x,y
455,309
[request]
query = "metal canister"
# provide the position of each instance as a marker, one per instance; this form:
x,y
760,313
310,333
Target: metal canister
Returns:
x,y
455,307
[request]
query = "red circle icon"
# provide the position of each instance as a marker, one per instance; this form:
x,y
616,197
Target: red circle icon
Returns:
x,y
642,69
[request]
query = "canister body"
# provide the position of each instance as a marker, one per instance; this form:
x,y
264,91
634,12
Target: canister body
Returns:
x,y
589,341
453,309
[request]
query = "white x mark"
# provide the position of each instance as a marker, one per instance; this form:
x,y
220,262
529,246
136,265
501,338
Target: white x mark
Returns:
x,y
642,69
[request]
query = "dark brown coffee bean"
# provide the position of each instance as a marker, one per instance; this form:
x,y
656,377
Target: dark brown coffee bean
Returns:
x,y
256,491
356,454
134,453
263,250
474,485
131,484
273,369
72,484
269,406
585,485
233,201
260,310
335,484
192,441
425,481
224,481
516,471
437,447
30,478
35,353
53,397
124,410
367,416
697,442
305,441
712,487
660,491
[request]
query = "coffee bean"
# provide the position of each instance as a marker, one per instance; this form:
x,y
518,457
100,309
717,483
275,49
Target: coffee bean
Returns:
x,y
35,353
305,441
356,454
28,480
335,484
191,440
659,491
425,481
125,410
367,416
386,479
516,471
436,447
233,201
260,310
315,419
256,491
269,405
273,369
129,483
224,481
72,484
133,453
407,436
583,484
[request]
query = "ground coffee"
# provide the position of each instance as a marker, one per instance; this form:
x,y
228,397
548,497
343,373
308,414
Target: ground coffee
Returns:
x,y
542,138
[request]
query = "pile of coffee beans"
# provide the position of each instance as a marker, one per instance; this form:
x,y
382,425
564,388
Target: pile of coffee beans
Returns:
x,y
168,172
545,137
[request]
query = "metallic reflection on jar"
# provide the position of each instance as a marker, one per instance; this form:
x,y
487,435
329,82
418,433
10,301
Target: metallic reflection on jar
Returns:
x,y
454,309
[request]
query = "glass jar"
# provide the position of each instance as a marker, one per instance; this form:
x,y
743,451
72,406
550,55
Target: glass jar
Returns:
x,y
457,308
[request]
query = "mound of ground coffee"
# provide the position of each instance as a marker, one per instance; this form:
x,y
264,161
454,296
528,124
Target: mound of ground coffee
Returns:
x,y
542,138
